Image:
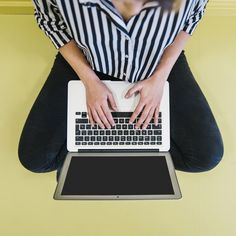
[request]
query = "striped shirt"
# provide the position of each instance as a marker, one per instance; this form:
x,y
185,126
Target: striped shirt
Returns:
x,y
126,50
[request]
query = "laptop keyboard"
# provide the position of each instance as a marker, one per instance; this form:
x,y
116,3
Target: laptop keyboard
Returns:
x,y
122,133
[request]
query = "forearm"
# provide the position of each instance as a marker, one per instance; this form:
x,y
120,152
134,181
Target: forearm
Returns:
x,y
170,55
74,56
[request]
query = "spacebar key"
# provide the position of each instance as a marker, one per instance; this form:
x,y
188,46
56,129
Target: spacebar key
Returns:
x,y
122,114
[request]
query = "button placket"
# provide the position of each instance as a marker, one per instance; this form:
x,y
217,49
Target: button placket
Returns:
x,y
128,57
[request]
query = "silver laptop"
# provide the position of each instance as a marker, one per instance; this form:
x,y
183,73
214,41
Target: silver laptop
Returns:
x,y
121,162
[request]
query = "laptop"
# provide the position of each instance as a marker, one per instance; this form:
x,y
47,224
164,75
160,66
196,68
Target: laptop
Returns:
x,y
121,162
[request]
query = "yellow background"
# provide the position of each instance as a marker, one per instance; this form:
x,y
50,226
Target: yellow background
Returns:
x,y
27,208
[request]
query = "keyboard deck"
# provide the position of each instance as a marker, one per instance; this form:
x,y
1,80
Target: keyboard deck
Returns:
x,y
122,133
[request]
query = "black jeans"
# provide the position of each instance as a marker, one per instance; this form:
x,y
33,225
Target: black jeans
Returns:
x,y
196,142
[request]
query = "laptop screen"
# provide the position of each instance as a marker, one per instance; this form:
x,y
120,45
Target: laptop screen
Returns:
x,y
117,175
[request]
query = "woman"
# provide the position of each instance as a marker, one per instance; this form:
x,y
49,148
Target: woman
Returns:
x,y
134,40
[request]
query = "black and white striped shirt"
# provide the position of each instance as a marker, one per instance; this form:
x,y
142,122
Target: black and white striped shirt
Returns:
x,y
125,50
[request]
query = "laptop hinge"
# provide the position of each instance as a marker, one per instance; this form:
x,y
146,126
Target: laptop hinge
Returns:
x,y
118,150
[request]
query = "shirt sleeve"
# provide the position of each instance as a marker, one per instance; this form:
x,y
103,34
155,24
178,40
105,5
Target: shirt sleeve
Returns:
x,y
49,19
195,16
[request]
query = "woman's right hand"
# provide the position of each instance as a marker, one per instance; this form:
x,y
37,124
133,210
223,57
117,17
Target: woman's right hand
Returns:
x,y
98,99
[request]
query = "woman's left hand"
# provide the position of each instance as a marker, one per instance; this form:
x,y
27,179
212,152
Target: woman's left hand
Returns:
x,y
151,91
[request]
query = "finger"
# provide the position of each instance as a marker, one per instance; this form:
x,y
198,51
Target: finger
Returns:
x,y
90,117
136,112
103,117
108,114
112,101
149,117
97,118
132,90
156,115
143,116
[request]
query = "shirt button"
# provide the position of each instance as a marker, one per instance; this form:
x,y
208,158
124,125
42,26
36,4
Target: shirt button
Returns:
x,y
126,56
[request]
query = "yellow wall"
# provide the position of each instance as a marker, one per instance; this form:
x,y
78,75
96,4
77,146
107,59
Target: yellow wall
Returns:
x,y
208,206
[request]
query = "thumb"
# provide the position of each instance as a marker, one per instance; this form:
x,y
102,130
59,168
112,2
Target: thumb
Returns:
x,y
132,90
112,101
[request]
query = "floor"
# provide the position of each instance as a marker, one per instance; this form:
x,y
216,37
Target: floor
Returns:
x,y
208,206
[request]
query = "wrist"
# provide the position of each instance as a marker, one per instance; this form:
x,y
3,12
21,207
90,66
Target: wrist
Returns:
x,y
160,75
88,77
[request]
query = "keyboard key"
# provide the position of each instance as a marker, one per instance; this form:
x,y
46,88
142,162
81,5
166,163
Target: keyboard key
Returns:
x,y
92,138
95,132
108,132
88,126
134,143
120,132
117,138
124,126
146,143
121,121
77,143
77,132
121,114
146,138
79,138
131,132
109,143
121,143
130,126
140,143
84,114
140,138
110,138
127,143
113,132
78,113
86,138
82,126
126,121
115,143
84,143
83,132
159,138
118,126
104,138
157,132
90,143
81,121
96,143
129,138
144,132
95,126
123,138
90,132
149,132
99,138
126,132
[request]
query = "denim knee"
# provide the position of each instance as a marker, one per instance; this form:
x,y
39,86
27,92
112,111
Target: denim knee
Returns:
x,y
207,158
32,161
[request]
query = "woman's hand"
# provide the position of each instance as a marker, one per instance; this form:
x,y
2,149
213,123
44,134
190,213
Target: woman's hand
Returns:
x,y
97,97
151,91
